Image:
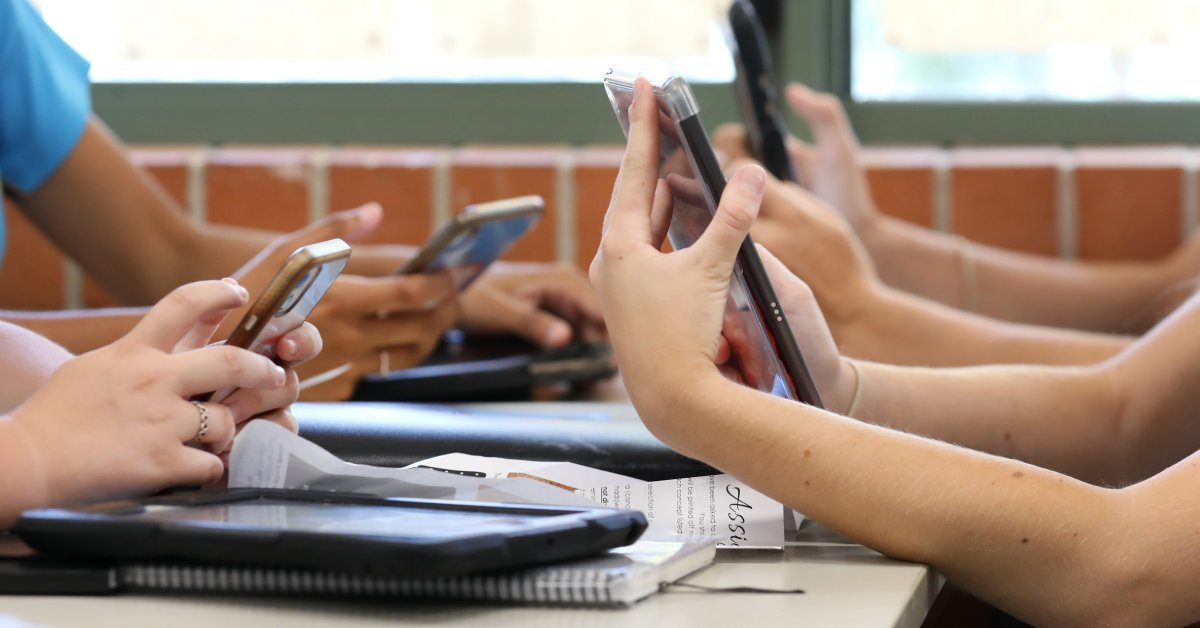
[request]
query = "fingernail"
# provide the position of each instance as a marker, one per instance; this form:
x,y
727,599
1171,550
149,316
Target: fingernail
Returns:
x,y
287,346
280,375
557,335
752,178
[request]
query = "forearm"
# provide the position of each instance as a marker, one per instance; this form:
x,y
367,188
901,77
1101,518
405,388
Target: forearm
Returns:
x,y
1022,537
1066,419
898,328
79,331
26,363
1014,286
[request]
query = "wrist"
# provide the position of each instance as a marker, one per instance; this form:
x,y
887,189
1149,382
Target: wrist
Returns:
x,y
855,319
844,396
24,483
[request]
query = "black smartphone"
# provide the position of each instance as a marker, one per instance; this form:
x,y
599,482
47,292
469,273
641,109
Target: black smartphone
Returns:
x,y
468,243
287,300
764,349
766,134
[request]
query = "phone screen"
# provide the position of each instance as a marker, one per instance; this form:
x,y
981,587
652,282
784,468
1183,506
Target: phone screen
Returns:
x,y
690,168
473,250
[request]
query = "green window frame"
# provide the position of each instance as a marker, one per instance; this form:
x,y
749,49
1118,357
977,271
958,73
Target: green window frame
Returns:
x,y
812,45
816,49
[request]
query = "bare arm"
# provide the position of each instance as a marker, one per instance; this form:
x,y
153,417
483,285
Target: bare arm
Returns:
x,y
873,321
1115,296
1050,548
1106,297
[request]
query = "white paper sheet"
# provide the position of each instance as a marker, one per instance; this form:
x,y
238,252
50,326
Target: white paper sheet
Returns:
x,y
268,456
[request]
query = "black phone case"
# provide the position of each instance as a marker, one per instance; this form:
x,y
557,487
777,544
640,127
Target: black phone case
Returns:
x,y
488,369
696,141
102,533
766,134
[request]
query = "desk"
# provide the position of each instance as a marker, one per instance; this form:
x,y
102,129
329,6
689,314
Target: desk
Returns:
x,y
846,585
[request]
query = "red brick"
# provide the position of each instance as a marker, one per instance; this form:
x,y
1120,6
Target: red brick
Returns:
x,y
1007,197
399,179
1130,202
263,188
31,276
902,181
487,174
596,171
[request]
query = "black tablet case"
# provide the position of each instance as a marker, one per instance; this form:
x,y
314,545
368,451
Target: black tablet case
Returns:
x,y
114,532
397,435
488,369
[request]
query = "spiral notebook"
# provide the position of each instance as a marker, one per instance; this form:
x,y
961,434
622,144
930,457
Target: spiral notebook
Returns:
x,y
617,578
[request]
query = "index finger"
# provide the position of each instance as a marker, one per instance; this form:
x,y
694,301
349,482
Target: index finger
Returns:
x,y
629,211
173,318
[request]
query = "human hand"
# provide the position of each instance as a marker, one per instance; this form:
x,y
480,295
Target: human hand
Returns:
x,y
665,310
816,244
831,374
294,348
369,323
831,167
549,304
116,421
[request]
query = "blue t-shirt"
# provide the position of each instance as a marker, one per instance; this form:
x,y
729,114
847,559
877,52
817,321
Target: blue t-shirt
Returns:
x,y
44,99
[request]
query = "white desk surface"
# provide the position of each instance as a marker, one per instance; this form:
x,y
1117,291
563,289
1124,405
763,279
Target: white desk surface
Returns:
x,y
846,585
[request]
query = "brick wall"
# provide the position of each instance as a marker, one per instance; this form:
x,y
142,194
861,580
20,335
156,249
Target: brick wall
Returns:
x,y
1087,203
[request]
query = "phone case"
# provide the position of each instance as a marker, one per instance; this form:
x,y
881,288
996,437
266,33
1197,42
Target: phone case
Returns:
x,y
754,319
469,243
766,133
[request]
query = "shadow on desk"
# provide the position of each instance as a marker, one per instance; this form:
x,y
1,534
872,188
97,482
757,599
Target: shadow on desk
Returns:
x,y
955,608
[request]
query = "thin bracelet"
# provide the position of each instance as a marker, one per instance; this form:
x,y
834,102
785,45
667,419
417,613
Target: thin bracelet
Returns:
x,y
857,387
967,270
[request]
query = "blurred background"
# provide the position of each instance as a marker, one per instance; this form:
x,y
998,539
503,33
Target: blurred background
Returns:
x,y
1058,127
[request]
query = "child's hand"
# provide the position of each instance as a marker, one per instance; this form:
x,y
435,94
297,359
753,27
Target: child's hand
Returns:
x,y
665,310
117,421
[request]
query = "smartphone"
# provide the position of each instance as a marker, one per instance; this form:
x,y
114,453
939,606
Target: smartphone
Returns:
x,y
468,243
766,134
287,300
763,347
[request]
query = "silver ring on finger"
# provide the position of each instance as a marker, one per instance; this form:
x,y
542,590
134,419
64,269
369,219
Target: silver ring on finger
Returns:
x,y
202,429
385,363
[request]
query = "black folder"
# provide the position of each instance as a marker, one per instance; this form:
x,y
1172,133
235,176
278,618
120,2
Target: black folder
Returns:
x,y
398,434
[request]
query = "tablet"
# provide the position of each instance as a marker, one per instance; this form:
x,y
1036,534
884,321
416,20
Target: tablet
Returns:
x,y
336,531
766,134
493,368
763,347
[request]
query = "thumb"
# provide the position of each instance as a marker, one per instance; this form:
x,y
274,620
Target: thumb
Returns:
x,y
735,215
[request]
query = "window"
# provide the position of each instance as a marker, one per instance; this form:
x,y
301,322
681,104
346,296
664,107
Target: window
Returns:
x,y
390,40
1024,50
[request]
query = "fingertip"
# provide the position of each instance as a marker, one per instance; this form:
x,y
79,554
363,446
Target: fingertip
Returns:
x,y
369,217
287,349
238,288
556,335
751,178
